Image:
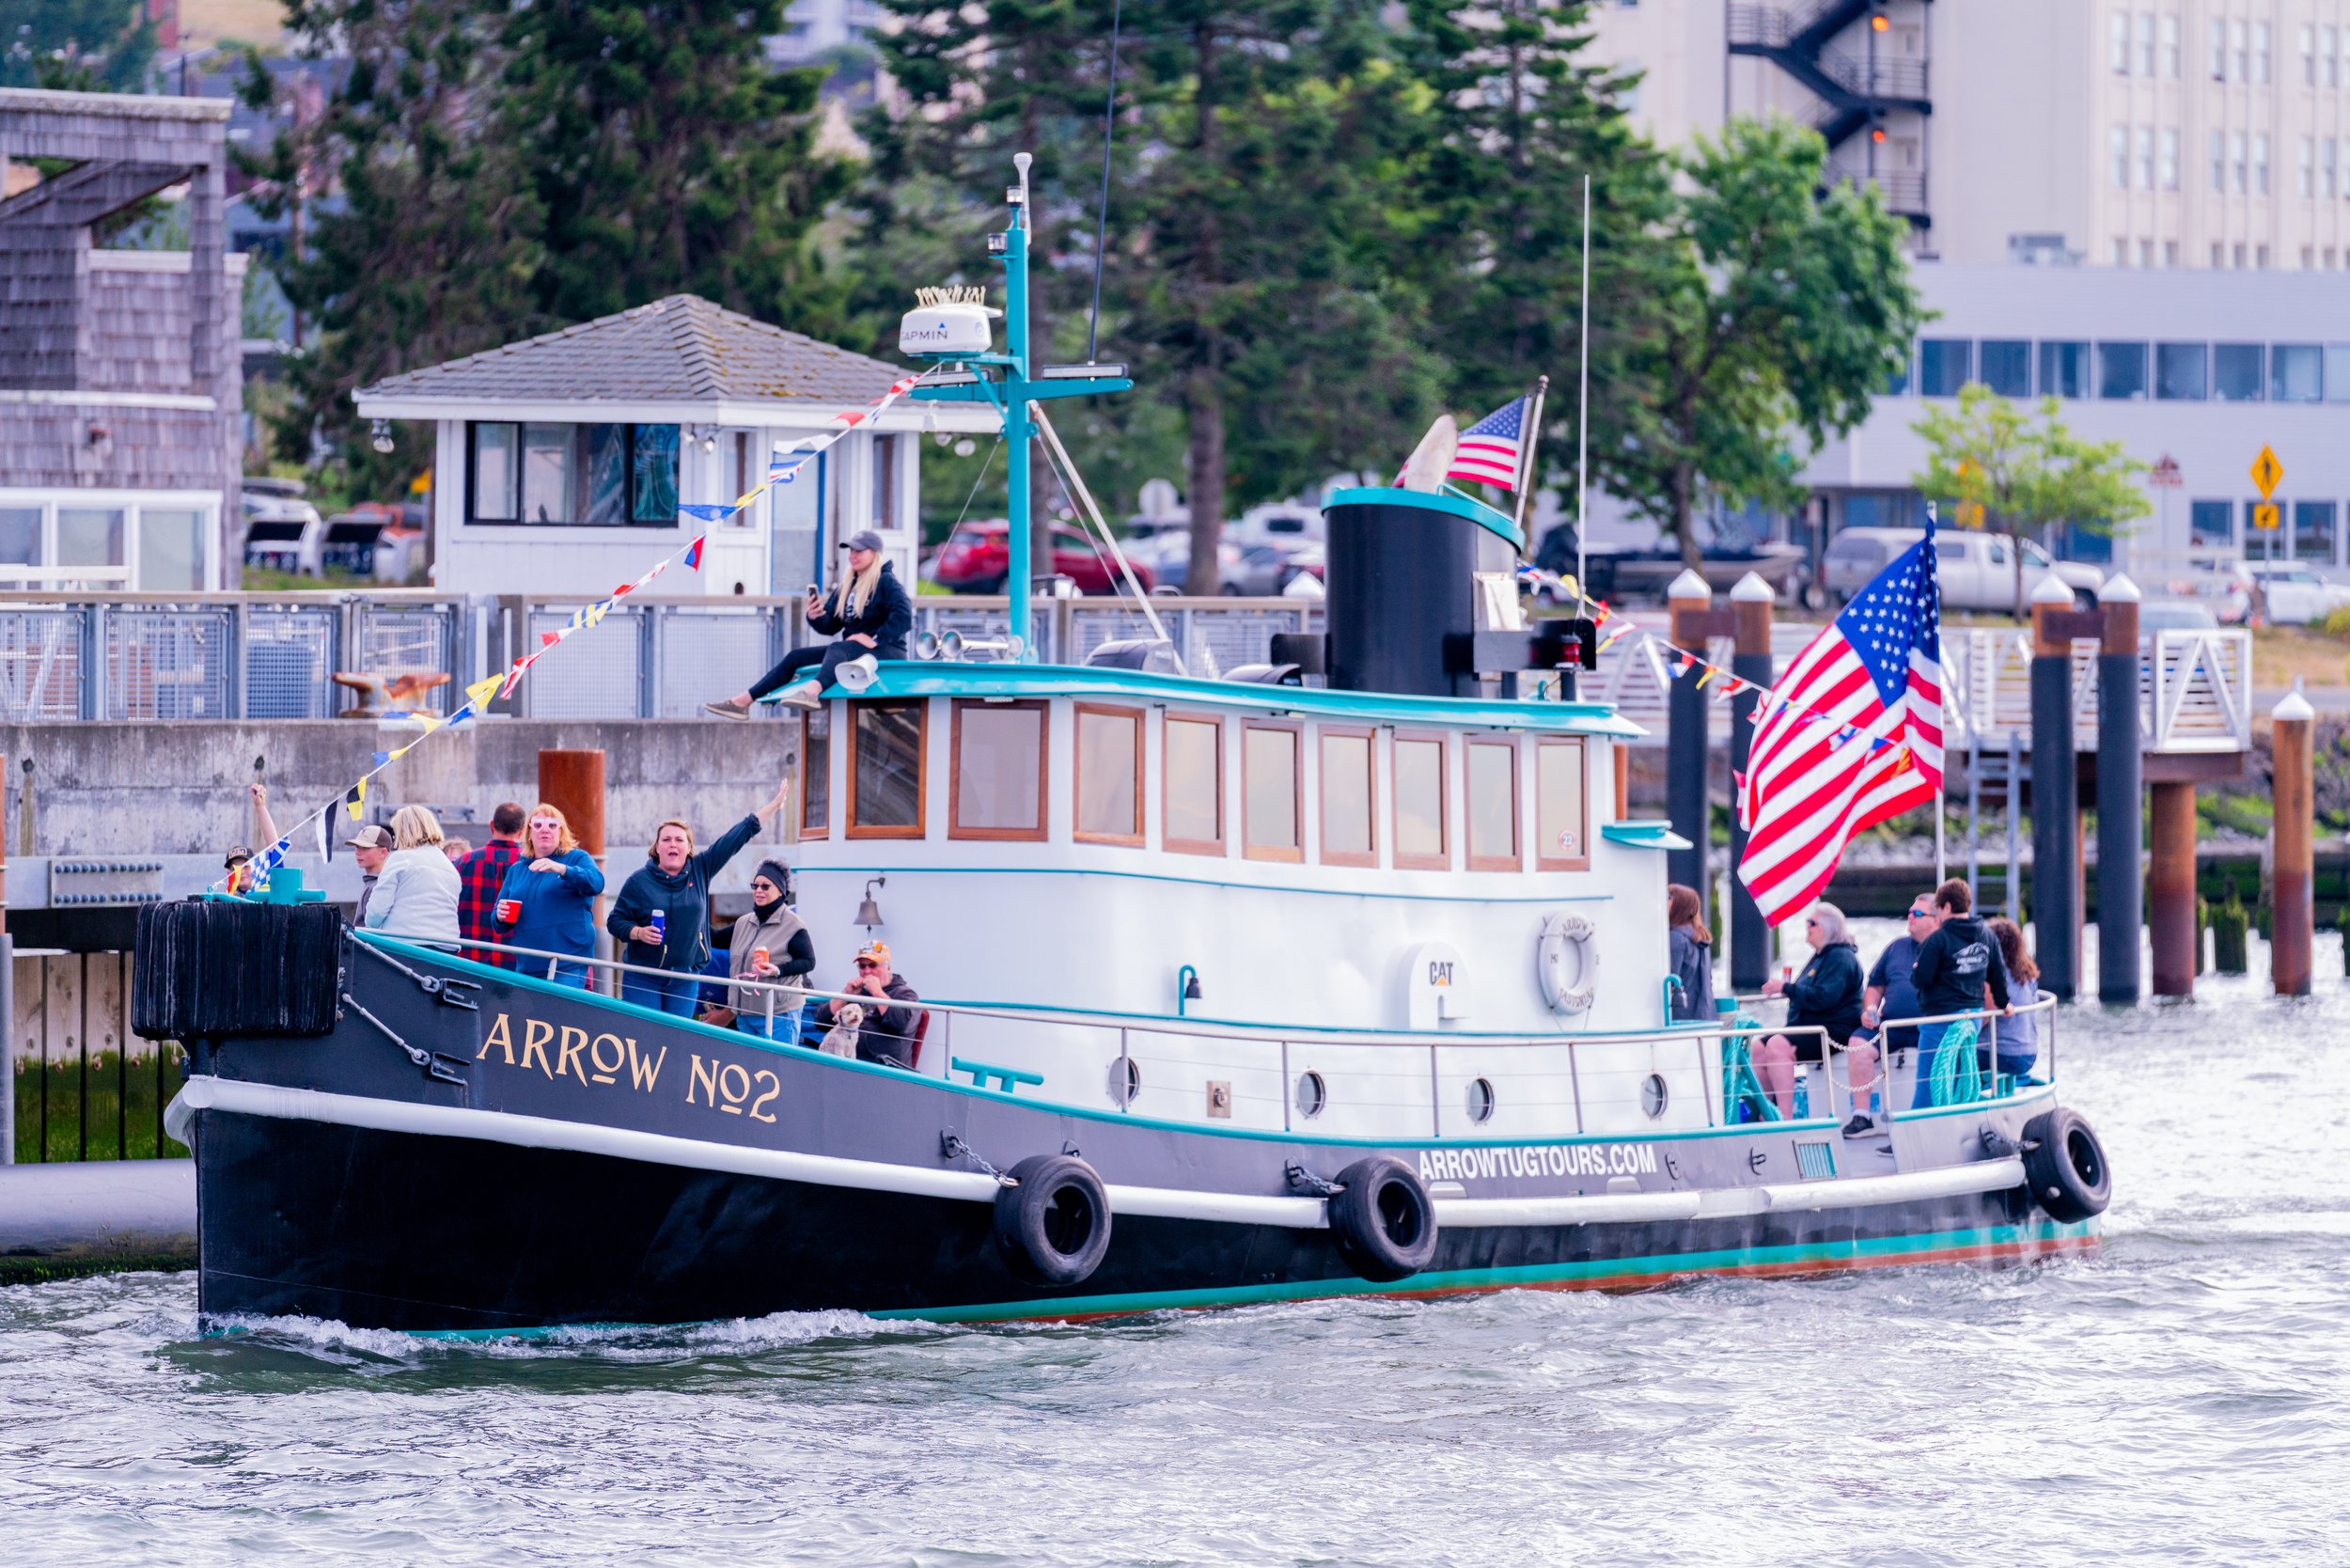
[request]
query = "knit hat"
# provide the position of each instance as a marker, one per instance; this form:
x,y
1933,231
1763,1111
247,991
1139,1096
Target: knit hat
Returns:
x,y
775,872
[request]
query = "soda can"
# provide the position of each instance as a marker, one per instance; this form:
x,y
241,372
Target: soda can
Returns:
x,y
659,920
758,957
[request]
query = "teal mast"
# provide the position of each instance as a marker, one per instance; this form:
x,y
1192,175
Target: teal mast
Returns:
x,y
1006,381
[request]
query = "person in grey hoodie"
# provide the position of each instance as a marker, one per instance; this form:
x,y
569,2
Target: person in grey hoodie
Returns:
x,y
1957,968
1689,948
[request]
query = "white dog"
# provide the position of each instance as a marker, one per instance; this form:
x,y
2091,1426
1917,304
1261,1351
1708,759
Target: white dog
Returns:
x,y
840,1040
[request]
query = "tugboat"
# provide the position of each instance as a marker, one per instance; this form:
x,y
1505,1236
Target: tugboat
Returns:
x,y
1343,975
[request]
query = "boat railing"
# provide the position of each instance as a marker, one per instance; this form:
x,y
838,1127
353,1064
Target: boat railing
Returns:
x,y
1132,1045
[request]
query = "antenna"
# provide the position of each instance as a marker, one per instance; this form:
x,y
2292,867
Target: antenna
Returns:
x,y
1583,416
1101,222
1021,162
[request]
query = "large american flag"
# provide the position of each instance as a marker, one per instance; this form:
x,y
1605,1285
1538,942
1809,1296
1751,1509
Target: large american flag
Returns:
x,y
1850,736
1493,450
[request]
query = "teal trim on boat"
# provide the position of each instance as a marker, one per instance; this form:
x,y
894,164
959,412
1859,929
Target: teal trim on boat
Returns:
x,y
1658,836
1881,1251
912,678
1478,892
1495,523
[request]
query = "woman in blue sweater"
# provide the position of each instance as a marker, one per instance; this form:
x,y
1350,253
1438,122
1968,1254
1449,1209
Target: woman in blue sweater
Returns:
x,y
551,891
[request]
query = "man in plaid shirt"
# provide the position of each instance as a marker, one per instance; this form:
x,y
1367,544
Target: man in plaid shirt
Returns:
x,y
480,875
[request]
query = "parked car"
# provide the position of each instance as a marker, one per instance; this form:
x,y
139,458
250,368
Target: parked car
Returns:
x,y
2226,587
975,556
2175,614
1277,523
2295,595
281,529
1977,572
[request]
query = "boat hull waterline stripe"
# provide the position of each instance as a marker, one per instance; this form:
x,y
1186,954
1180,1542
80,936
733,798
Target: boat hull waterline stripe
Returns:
x,y
239,1097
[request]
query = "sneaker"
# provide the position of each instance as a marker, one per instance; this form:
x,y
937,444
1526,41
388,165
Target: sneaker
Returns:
x,y
729,709
1859,1126
801,695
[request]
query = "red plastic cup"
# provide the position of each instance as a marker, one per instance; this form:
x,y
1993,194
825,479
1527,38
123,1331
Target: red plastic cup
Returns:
x,y
509,911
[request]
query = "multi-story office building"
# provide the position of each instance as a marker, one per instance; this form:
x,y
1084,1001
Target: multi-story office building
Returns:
x,y
2203,134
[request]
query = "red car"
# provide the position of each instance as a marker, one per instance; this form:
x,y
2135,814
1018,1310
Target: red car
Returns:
x,y
977,555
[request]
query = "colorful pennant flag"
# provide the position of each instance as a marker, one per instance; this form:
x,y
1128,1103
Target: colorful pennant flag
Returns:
x,y
693,554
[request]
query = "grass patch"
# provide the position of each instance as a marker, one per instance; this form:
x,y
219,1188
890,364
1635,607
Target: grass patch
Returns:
x,y
2282,652
124,1101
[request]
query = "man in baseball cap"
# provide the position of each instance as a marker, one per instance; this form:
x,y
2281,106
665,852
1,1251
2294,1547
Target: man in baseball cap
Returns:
x,y
887,1033
869,611
369,846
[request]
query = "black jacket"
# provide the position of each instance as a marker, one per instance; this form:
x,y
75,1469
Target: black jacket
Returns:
x,y
887,1033
1693,966
889,617
1955,964
1827,992
683,900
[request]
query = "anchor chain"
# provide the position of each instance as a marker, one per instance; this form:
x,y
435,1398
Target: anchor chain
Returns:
x,y
952,1147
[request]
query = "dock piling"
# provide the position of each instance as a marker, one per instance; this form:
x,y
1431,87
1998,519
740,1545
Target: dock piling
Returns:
x,y
2120,794
1686,743
1750,620
2056,786
2170,916
2294,917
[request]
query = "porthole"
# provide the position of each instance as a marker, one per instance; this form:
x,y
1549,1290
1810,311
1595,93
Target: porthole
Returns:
x,y
1125,1080
1312,1095
1481,1100
1652,1095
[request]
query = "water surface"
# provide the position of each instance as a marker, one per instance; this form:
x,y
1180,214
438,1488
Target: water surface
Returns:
x,y
2182,1397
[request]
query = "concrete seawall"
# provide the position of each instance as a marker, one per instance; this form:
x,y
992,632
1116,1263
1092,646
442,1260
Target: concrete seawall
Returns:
x,y
60,1220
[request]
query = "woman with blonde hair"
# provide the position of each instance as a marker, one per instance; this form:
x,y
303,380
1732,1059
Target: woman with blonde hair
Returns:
x,y
548,899
416,894
869,611
1826,994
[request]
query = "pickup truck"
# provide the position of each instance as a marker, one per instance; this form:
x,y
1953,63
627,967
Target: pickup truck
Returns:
x,y
1977,572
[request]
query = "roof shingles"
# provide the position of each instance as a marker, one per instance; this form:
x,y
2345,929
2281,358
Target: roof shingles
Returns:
x,y
682,349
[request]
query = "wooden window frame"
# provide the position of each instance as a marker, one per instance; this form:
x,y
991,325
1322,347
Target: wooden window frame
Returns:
x,y
1297,734
1370,764
1076,774
1581,861
1044,772
1442,859
1215,846
920,825
799,806
1516,861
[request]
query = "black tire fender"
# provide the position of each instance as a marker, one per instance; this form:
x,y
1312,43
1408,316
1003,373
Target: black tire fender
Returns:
x,y
1054,1227
1385,1220
2065,1166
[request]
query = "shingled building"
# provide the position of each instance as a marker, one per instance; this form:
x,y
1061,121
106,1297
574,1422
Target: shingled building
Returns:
x,y
121,395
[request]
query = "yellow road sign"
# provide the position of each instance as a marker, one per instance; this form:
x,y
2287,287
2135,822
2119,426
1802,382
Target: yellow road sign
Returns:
x,y
2265,515
2267,473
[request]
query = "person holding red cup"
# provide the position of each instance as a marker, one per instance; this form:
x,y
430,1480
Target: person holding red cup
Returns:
x,y
547,904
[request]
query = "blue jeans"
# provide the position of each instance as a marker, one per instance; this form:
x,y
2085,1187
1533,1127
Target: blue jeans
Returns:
x,y
675,995
558,972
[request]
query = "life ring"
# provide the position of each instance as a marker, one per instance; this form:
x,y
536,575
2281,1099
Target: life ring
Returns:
x,y
2066,1166
1054,1227
1385,1219
1566,963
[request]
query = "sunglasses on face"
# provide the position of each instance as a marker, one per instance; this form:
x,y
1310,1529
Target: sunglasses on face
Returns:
x,y
1919,914
867,963
1811,922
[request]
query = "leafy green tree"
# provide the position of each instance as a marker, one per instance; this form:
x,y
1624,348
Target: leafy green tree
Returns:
x,y
1524,117
77,45
1984,454
1768,315
665,154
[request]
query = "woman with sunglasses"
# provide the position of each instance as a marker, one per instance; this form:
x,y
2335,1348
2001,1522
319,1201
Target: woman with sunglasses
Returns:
x,y
1826,993
548,899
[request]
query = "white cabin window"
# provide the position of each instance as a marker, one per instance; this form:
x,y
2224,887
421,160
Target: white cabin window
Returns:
x,y
815,774
885,770
1492,806
1420,838
1561,819
1109,774
1350,815
1270,785
1192,785
996,789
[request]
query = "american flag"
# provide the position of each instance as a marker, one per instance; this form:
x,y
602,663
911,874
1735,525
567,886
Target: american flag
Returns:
x,y
1850,736
1492,450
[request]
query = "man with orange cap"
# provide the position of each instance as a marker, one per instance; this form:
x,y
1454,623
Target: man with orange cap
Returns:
x,y
891,1016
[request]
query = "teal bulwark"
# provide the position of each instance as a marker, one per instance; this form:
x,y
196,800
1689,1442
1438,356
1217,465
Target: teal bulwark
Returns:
x,y
1497,524
933,678
1656,835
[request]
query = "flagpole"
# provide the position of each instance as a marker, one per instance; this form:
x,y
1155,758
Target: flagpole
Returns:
x,y
1525,468
1583,416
